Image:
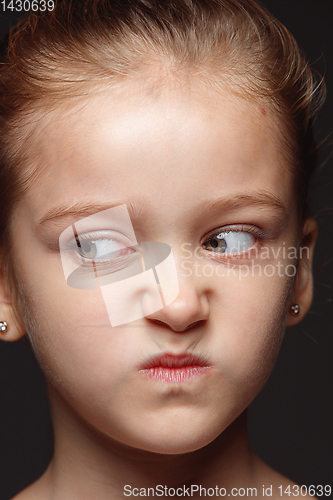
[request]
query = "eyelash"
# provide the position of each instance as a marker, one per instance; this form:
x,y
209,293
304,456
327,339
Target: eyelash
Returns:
x,y
255,231
259,233
72,246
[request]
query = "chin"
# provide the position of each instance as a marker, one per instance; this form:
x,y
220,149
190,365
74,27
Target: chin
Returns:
x,y
173,447
176,442
173,431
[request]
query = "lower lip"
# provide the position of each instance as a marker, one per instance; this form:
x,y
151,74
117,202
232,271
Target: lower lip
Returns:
x,y
183,374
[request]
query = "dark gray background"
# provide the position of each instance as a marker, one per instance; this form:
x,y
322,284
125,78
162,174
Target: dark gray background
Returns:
x,y
290,422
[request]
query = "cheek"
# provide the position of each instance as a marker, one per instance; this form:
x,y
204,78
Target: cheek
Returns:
x,y
69,328
84,363
254,315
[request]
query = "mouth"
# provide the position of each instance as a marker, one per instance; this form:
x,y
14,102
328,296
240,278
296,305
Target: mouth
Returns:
x,y
175,368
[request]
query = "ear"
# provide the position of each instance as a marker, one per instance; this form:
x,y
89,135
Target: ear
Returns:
x,y
14,329
303,287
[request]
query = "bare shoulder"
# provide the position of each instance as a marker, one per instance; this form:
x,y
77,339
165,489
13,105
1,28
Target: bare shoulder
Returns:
x,y
22,496
26,494
30,493
276,486
36,491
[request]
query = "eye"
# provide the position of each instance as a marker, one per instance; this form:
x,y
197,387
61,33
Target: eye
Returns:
x,y
100,249
229,242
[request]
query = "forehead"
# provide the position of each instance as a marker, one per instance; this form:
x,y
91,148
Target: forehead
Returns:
x,y
173,148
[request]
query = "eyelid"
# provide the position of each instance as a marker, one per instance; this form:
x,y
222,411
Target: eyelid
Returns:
x,y
241,228
105,234
258,233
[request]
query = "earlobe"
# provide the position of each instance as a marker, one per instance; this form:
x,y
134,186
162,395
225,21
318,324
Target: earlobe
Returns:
x,y
10,328
303,288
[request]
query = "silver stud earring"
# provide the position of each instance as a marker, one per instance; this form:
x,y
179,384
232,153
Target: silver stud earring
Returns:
x,y
3,326
295,309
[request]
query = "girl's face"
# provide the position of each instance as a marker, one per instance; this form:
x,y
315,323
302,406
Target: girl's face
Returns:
x,y
198,174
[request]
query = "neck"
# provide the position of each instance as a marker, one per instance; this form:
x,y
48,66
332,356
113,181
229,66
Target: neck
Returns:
x,y
88,464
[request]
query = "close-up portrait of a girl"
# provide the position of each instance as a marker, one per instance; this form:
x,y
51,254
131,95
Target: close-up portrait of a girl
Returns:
x,y
156,238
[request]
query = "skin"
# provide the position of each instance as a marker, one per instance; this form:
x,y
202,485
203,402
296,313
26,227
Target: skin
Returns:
x,y
168,154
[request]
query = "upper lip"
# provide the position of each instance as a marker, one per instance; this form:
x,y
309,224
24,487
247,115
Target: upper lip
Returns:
x,y
175,361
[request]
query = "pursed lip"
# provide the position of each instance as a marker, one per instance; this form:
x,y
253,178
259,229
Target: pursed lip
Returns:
x,y
175,368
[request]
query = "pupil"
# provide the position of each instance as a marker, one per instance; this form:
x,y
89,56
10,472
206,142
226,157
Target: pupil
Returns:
x,y
86,246
214,243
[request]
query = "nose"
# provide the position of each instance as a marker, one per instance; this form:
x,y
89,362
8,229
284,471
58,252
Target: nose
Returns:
x,y
187,310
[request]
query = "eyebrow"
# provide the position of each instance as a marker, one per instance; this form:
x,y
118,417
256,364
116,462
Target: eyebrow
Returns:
x,y
79,210
244,200
141,209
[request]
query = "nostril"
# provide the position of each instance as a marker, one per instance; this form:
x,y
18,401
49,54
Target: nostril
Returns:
x,y
164,323
195,323
161,322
